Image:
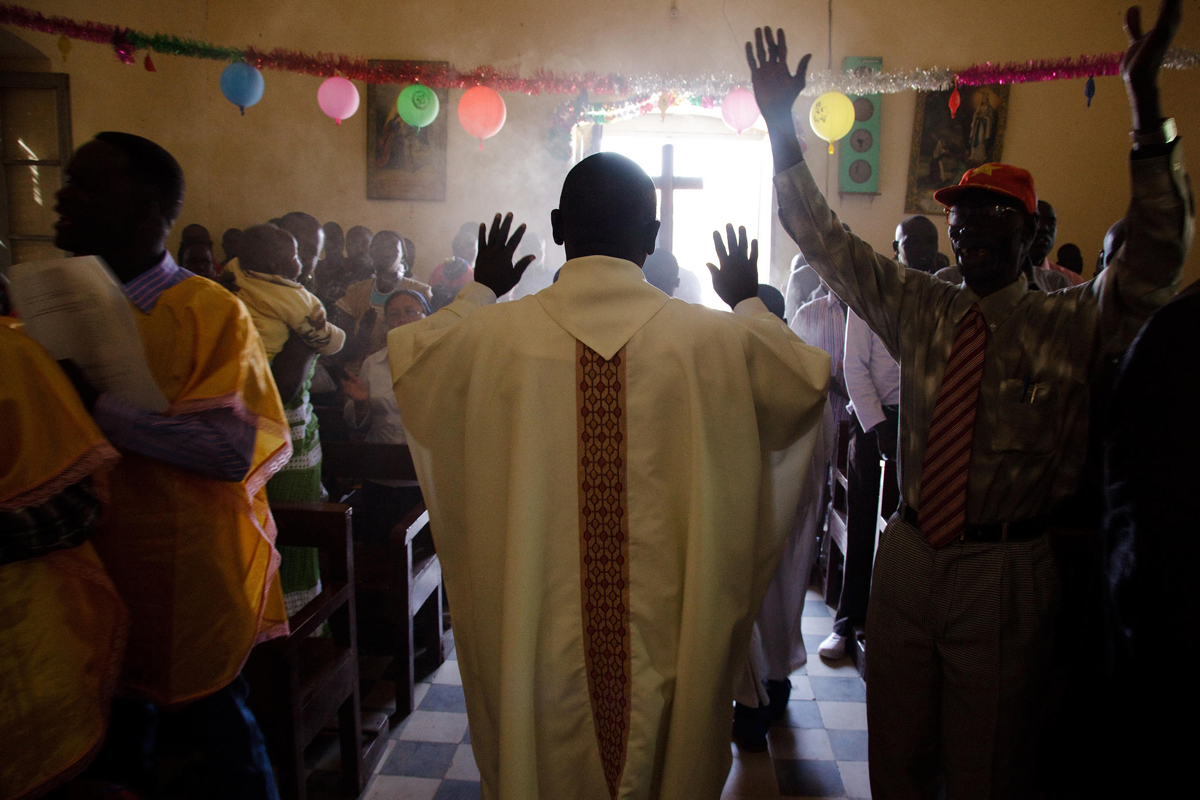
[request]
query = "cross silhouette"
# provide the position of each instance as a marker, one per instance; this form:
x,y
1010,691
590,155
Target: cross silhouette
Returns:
x,y
668,183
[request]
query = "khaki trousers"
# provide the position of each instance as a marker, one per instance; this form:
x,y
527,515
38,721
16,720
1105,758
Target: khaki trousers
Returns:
x,y
959,641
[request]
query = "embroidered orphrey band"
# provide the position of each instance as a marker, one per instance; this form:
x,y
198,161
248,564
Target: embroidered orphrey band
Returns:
x,y
604,552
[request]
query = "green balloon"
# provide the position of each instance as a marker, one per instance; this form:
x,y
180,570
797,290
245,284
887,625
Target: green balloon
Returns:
x,y
418,105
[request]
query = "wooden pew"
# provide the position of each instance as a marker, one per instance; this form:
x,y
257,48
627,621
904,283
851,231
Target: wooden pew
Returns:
x,y
299,683
399,581
833,547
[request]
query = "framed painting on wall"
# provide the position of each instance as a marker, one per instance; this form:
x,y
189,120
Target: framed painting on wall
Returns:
x,y
944,147
403,162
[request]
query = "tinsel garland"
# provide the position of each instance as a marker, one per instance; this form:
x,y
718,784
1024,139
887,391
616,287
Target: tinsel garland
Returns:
x,y
642,93
1063,69
1041,70
126,41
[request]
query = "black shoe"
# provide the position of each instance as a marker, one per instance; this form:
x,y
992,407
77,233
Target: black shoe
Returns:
x,y
779,692
750,727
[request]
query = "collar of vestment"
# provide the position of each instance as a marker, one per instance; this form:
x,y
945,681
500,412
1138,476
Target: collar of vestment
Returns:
x,y
601,301
144,290
995,307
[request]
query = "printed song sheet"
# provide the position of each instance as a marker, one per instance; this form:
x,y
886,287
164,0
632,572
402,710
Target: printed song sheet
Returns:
x,y
76,309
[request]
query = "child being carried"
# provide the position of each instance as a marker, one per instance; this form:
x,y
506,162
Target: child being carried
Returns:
x,y
263,276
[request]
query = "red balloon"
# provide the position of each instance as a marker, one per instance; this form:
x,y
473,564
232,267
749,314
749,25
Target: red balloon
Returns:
x,y
482,113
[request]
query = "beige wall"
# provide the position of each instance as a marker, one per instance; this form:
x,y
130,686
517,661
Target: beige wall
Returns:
x,y
285,154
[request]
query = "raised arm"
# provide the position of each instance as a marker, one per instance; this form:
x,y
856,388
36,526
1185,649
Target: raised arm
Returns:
x,y
495,275
1145,273
776,90
736,280
494,266
872,285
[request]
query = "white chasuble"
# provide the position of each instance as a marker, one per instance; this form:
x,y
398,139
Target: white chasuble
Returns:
x,y
777,646
610,475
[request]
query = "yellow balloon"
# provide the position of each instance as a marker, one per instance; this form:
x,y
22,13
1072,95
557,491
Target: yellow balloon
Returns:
x,y
832,117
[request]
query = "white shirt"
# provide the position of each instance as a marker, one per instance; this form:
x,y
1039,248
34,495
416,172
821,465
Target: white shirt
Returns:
x,y
872,375
717,416
821,322
383,415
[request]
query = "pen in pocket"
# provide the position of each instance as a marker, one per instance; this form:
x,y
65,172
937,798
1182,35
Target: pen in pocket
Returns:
x,y
1029,390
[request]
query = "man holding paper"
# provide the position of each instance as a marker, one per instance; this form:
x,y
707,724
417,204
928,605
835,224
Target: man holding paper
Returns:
x,y
188,538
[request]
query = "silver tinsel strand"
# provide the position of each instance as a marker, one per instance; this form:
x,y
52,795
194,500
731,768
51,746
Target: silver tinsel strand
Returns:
x,y
853,83
1181,58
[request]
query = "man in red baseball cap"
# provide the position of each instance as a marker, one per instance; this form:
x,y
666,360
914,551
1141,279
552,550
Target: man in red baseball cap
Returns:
x,y
993,431
1003,184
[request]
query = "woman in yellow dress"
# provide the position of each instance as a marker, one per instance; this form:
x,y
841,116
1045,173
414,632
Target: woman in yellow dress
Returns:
x,y
62,623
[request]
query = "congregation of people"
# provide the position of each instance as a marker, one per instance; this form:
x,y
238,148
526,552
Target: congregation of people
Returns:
x,y
630,493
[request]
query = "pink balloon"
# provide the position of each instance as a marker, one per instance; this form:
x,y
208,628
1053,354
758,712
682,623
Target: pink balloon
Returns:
x,y
338,98
482,112
739,110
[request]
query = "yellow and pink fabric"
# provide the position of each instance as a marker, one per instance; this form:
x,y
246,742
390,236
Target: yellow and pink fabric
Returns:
x,y
194,558
62,624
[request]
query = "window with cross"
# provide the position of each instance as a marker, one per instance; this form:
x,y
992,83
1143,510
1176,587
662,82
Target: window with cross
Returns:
x,y
706,176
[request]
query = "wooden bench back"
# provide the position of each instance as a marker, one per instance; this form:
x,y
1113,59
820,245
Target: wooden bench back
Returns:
x,y
325,526
365,461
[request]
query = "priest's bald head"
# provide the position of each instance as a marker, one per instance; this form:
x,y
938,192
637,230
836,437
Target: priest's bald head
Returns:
x,y
607,208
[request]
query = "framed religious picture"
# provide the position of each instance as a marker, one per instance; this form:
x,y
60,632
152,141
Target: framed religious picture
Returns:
x,y
944,147
403,162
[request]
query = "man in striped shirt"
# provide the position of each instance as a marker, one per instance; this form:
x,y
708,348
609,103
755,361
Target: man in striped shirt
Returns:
x,y
994,423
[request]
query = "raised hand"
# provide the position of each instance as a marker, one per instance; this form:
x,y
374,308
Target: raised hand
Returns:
x,y
737,277
494,266
775,88
355,388
1144,58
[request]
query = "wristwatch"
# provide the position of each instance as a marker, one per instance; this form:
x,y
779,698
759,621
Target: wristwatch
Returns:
x,y
1159,136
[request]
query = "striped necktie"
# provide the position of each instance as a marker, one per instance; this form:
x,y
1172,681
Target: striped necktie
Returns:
x,y
943,511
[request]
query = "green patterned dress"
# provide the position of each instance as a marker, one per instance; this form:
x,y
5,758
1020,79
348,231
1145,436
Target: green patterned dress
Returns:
x,y
299,481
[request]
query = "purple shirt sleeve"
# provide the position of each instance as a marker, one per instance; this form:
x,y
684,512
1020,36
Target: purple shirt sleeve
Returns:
x,y
214,443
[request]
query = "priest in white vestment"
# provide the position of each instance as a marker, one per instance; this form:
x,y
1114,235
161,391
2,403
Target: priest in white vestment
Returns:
x,y
611,475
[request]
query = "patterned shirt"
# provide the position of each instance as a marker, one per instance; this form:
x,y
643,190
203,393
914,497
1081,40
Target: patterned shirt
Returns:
x,y
213,443
822,324
1042,349
62,522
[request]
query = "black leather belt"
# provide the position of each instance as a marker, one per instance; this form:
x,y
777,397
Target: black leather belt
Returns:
x,y
1021,531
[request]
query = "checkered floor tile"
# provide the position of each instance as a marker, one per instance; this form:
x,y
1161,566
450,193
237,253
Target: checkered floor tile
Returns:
x,y
819,750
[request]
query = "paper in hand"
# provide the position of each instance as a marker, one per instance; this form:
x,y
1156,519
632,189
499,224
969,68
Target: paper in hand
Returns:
x,y
76,309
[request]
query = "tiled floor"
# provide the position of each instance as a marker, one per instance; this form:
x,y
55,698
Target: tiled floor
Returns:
x,y
819,750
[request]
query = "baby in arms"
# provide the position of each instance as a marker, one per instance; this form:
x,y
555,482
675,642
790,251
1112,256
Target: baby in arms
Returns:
x,y
264,278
